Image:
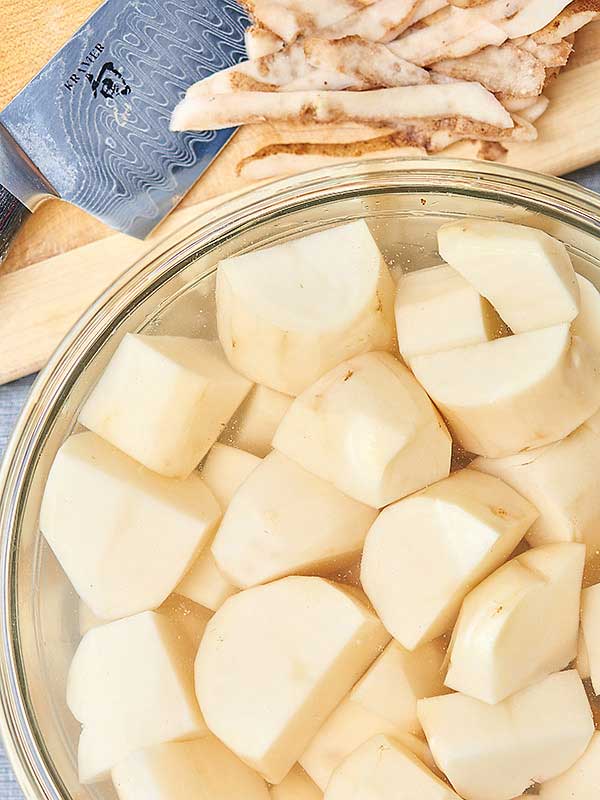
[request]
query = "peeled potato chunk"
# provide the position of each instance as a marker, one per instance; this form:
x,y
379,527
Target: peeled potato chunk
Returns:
x,y
202,768
130,685
587,323
514,393
562,480
274,662
526,274
498,645
383,768
124,535
296,786
495,752
284,520
426,552
224,470
399,677
369,428
164,400
581,781
350,726
590,623
436,310
289,313
254,424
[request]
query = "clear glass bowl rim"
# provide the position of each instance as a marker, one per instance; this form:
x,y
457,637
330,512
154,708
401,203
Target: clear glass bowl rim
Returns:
x,y
550,196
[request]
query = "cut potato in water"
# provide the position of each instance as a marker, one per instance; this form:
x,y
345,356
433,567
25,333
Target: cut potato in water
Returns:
x,y
581,781
224,470
399,677
382,768
436,310
587,323
526,274
590,624
296,785
498,645
515,393
142,530
350,726
284,520
426,552
369,428
289,313
315,660
203,768
253,426
164,400
562,480
131,686
496,752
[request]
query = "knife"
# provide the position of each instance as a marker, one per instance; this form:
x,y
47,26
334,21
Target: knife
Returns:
x,y
92,127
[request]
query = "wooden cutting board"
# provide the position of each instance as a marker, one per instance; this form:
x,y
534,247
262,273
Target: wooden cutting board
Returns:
x,y
63,258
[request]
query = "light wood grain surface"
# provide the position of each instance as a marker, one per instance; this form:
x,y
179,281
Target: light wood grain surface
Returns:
x,y
46,282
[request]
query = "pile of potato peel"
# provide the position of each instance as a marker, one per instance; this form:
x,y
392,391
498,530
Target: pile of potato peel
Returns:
x,y
287,589
343,79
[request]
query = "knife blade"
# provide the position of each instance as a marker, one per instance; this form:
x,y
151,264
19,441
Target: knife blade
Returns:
x,y
92,127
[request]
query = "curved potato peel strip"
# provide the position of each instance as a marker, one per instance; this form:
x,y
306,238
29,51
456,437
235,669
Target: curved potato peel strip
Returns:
x,y
389,107
500,69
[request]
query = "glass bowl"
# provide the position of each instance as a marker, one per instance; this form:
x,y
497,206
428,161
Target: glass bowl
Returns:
x,y
172,292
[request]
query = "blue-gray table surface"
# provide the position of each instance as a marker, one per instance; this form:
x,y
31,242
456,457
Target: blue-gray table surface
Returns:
x,y
12,397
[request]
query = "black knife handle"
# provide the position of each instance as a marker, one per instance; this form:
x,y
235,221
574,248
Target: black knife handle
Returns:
x,y
12,215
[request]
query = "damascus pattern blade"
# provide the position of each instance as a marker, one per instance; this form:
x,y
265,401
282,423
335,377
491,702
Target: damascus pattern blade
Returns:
x,y
95,120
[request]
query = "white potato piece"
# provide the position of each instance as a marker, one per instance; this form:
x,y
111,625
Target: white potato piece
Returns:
x,y
202,768
581,781
526,274
562,480
437,309
383,768
250,640
498,645
296,786
587,324
590,624
582,662
400,677
289,313
350,726
164,400
284,520
224,471
515,393
495,752
142,530
426,552
205,583
130,685
254,424
368,428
